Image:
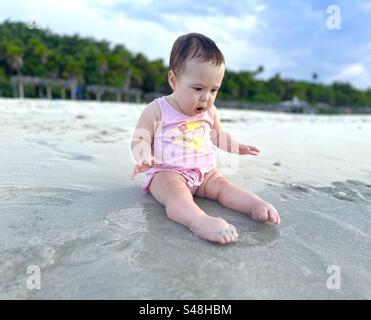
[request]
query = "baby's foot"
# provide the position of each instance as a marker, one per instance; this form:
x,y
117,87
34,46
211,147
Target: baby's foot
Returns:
x,y
214,229
263,211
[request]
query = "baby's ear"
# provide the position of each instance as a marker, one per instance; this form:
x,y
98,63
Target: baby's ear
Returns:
x,y
171,79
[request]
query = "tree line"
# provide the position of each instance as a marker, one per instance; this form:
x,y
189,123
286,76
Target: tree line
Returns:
x,y
39,52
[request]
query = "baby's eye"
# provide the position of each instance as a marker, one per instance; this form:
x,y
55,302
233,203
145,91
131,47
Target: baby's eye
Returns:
x,y
197,89
214,90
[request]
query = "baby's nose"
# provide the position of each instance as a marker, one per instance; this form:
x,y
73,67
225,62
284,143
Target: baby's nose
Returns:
x,y
205,97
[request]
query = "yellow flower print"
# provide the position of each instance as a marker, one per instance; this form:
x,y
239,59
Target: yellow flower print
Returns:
x,y
193,135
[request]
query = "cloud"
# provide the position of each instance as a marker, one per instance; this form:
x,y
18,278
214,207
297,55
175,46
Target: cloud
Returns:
x,y
287,37
147,8
153,31
356,73
353,70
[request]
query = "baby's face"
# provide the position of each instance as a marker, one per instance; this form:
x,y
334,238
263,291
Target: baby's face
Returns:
x,y
196,88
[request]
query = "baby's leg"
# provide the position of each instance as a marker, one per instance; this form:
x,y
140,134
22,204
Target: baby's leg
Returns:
x,y
170,189
216,187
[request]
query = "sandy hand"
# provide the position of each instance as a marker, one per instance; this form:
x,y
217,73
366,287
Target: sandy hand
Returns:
x,y
143,166
244,149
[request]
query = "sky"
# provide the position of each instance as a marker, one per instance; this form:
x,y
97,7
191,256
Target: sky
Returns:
x,y
294,38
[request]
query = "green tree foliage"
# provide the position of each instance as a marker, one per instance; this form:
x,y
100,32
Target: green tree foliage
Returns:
x,y
45,54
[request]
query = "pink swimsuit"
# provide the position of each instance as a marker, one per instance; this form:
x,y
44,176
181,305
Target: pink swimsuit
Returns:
x,y
183,145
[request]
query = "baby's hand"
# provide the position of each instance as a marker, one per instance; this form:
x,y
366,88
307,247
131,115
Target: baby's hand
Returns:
x,y
143,166
244,149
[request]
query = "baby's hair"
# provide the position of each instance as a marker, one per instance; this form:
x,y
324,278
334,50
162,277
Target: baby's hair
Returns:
x,y
194,46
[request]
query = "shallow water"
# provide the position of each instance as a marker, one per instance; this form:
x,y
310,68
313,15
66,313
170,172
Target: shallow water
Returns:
x,y
67,205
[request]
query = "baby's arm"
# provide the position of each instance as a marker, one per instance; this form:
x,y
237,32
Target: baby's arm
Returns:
x,y
225,141
141,143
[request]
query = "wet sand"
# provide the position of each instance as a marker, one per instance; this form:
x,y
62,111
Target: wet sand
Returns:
x,y
67,205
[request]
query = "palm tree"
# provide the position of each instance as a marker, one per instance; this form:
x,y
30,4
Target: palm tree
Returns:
x,y
259,69
42,51
314,76
102,67
14,56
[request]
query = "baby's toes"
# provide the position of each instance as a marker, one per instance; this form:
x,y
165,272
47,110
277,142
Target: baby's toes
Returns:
x,y
229,234
228,238
273,215
223,234
233,233
261,214
221,240
278,219
232,238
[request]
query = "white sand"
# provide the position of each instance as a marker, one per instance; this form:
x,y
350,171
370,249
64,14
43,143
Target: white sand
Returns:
x,y
68,206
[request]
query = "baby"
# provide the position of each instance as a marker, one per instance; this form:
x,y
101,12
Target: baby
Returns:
x,y
175,141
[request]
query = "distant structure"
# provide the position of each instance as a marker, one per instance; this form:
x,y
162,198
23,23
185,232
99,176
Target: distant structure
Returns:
x,y
121,93
19,82
150,96
295,105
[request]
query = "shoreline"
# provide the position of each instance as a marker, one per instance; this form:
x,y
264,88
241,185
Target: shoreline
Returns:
x,y
228,105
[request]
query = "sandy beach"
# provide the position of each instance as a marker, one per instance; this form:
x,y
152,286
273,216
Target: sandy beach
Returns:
x,y
68,206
